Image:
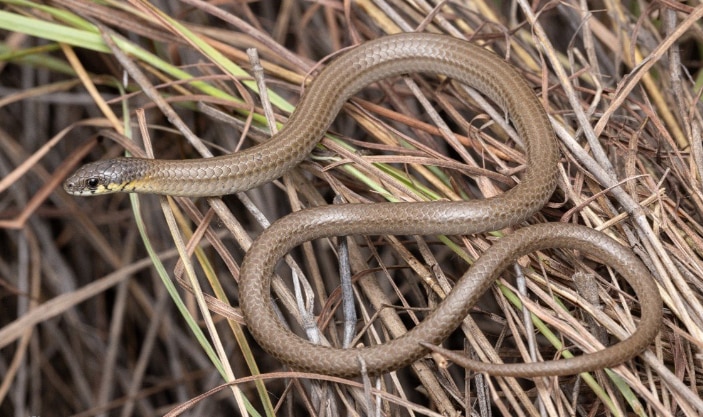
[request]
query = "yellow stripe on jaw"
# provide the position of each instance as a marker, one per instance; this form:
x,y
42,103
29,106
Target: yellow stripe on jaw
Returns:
x,y
130,186
100,189
110,188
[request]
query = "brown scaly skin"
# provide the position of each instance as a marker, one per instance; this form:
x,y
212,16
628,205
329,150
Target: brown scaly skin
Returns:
x,y
370,62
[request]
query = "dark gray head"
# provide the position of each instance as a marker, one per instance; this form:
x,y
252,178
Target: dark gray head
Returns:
x,y
102,177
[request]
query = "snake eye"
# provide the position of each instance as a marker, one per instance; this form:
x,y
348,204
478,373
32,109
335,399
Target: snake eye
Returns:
x,y
93,183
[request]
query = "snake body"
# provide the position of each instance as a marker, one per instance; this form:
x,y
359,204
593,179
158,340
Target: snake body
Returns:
x,y
385,57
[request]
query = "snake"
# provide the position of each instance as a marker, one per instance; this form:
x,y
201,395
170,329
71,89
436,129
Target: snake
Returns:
x,y
370,62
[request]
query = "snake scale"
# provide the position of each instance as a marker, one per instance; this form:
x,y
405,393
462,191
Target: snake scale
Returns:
x,y
372,61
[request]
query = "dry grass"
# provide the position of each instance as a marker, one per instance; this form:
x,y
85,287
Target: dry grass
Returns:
x,y
89,324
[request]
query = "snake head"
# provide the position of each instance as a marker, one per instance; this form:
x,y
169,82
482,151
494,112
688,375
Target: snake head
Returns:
x,y
102,177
